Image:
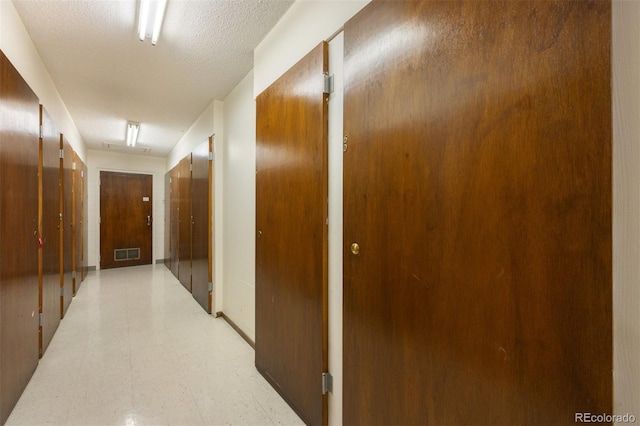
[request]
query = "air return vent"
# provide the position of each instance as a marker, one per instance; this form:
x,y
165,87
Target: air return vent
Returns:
x,y
126,254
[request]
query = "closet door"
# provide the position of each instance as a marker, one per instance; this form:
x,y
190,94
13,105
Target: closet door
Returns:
x,y
174,203
184,222
202,232
291,245
66,225
477,222
76,221
19,124
50,232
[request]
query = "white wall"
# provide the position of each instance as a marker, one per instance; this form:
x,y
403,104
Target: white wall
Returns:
x,y
98,161
626,207
239,206
303,27
19,49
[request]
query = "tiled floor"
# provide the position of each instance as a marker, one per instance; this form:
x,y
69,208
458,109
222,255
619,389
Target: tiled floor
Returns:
x,y
135,348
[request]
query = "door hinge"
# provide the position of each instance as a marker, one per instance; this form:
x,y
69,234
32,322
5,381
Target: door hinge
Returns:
x,y
328,83
327,383
62,153
40,319
41,132
61,291
190,167
211,156
82,173
73,166
210,286
73,274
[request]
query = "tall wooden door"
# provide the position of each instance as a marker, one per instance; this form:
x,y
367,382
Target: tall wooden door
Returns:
x,y
167,219
19,119
174,203
202,232
76,223
184,222
477,222
50,232
291,246
66,225
125,219
84,221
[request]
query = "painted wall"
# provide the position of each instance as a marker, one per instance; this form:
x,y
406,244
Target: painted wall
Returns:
x,y
239,206
16,44
98,161
626,207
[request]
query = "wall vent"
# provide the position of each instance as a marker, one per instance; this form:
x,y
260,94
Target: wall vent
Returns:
x,y
120,255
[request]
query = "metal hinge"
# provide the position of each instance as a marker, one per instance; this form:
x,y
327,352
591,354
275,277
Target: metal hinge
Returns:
x,y
190,167
62,153
328,83
40,319
82,173
210,286
211,156
61,291
73,166
73,274
327,383
41,132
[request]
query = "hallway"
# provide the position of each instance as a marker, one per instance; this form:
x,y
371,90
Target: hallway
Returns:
x,y
136,348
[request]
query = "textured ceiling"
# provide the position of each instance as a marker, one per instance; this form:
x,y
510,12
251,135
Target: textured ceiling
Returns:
x,y
107,77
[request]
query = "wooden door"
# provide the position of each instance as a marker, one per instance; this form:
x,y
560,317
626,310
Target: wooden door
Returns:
x,y
76,223
49,230
125,219
174,203
291,246
477,182
66,225
167,219
84,221
19,120
184,222
202,232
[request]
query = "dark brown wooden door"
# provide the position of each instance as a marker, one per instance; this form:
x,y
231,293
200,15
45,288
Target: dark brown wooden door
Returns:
x,y
84,222
125,219
477,184
291,246
66,225
201,195
167,219
19,120
184,222
76,220
50,229
174,203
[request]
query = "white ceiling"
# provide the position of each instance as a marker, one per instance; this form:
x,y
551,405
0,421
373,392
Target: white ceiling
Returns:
x,y
107,77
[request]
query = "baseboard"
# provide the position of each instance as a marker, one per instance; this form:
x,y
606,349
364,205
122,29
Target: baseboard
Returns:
x,y
237,329
91,268
161,261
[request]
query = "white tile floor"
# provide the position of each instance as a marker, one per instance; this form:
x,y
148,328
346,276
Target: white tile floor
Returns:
x,y
135,348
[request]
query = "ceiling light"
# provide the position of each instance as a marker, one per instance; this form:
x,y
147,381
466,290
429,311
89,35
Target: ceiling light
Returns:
x,y
151,13
132,133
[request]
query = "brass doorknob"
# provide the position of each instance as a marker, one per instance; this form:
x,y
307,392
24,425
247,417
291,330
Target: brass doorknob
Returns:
x,y
355,248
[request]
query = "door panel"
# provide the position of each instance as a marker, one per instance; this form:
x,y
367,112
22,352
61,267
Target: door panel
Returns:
x,y
291,248
174,203
84,222
50,232
76,228
66,227
125,219
167,219
477,184
201,185
19,121
184,222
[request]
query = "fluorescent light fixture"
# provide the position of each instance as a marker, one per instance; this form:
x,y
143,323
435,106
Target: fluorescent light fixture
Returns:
x,y
151,12
132,133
